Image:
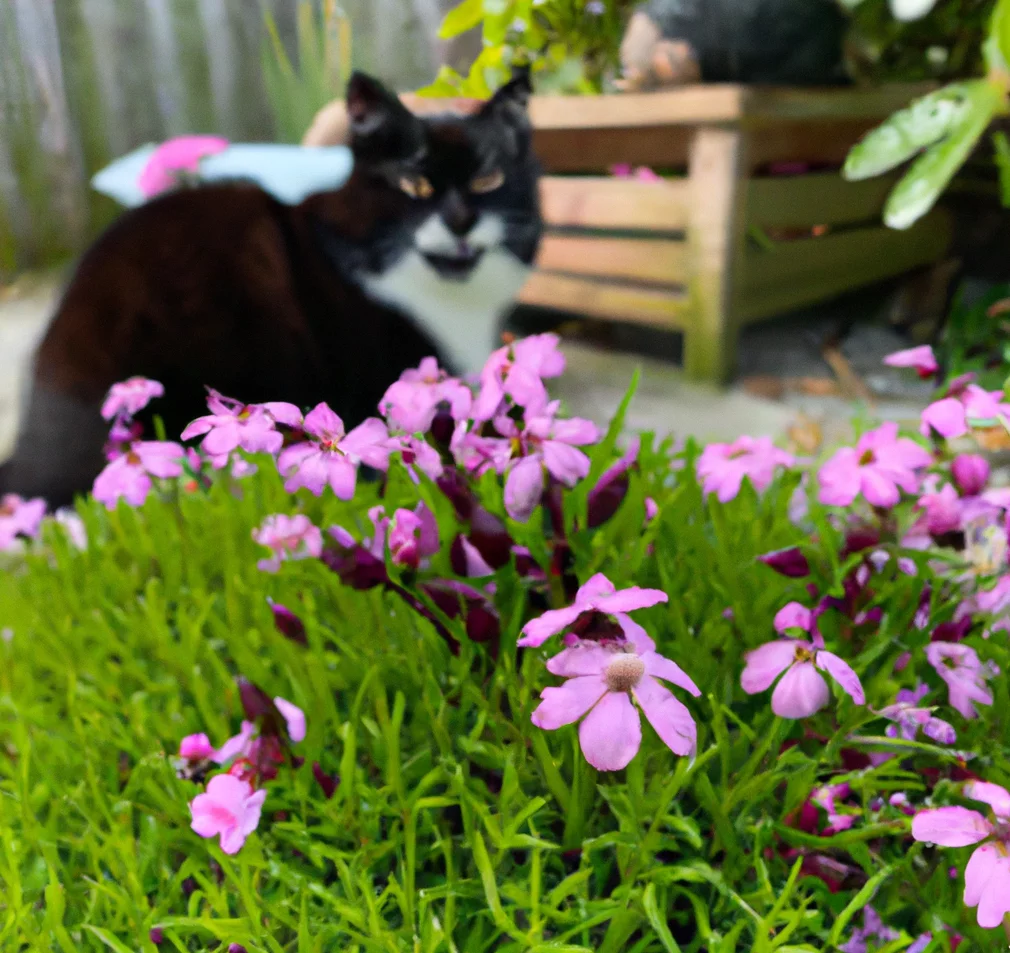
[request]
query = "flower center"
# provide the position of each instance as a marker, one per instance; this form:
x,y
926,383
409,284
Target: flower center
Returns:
x,y
866,458
803,654
132,459
624,673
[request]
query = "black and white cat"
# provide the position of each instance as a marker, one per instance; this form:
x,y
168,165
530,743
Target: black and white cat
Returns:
x,y
421,252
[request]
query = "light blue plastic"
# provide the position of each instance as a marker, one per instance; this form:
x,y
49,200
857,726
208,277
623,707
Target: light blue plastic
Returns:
x,y
289,173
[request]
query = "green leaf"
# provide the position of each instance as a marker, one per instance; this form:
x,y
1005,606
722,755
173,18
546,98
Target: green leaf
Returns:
x,y
657,921
916,193
997,47
898,138
857,903
1001,153
464,16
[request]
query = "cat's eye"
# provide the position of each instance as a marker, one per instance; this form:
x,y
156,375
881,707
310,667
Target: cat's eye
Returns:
x,y
416,186
488,183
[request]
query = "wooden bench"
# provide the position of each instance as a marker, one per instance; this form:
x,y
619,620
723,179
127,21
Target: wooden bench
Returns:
x,y
686,253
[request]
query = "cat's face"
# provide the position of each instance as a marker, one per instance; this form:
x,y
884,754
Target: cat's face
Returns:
x,y
463,187
460,220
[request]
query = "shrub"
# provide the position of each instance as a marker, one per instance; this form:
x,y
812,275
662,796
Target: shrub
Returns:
x,y
829,642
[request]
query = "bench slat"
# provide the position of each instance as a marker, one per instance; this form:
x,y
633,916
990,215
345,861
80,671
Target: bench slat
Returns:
x,y
652,260
600,202
823,198
606,300
801,272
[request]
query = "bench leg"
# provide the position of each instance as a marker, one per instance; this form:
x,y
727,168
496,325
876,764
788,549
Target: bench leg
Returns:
x,y
717,176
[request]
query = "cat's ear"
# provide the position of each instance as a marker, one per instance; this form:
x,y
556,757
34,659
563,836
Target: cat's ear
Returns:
x,y
381,127
511,101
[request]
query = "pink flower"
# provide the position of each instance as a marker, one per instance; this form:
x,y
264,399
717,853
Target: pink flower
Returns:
x,y
293,717
417,452
602,681
230,808
942,510
181,154
878,466
290,537
874,929
517,371
960,667
232,424
722,466
410,404
72,525
987,874
129,397
196,747
332,458
238,746
413,534
921,359
802,690
543,442
970,472
597,595
129,475
908,718
19,517
953,415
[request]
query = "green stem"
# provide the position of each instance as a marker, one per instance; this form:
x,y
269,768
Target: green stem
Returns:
x,y
580,803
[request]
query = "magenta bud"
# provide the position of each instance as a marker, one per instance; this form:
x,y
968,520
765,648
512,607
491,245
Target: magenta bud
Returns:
x,y
255,702
328,782
287,623
236,948
787,562
951,631
156,935
971,473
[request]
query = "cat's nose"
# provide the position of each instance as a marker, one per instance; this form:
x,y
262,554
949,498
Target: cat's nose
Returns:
x,y
459,218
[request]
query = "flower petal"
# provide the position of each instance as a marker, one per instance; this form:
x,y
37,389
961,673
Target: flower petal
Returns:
x,y
994,903
583,658
538,630
842,673
611,734
594,588
670,718
293,716
569,702
793,615
950,826
634,633
659,666
800,693
523,488
998,798
766,663
978,871
627,600
564,462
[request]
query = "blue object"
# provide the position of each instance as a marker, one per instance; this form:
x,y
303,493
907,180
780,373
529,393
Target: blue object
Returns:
x,y
289,173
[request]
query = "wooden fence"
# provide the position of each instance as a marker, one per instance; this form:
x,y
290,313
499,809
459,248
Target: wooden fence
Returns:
x,y
84,81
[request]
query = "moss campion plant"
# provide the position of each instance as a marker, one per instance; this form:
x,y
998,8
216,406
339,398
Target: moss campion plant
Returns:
x,y
471,676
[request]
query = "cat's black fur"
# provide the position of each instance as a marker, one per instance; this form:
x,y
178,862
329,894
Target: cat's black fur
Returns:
x,y
224,286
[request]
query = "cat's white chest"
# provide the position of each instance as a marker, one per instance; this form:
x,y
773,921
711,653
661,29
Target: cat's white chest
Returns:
x,y
463,317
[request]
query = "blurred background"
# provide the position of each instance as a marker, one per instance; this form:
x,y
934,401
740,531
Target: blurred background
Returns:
x,y
83,82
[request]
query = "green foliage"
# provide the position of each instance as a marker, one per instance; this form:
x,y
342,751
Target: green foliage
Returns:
x,y
457,824
571,45
945,126
297,92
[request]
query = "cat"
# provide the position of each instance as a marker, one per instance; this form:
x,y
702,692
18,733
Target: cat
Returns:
x,y
784,42
420,253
